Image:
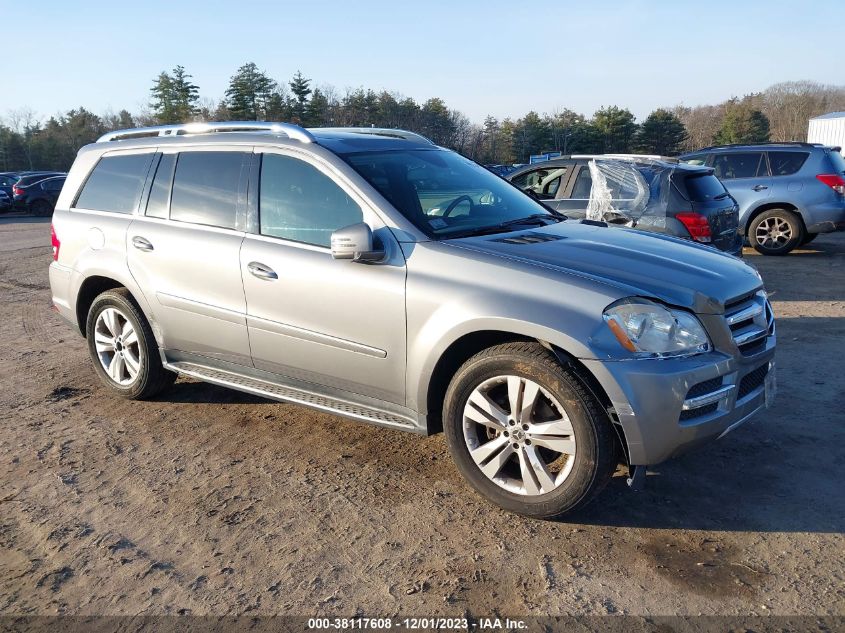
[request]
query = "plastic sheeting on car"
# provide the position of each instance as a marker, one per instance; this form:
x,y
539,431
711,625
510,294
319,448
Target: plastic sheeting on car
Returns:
x,y
629,192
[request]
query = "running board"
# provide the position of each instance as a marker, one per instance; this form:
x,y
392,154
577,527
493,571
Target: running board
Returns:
x,y
294,395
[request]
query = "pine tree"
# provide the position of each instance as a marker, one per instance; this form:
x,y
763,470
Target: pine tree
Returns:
x,y
185,95
248,93
317,113
617,128
162,101
174,97
299,85
661,133
743,123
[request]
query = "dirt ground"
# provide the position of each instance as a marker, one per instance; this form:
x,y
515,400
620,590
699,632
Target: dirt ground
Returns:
x,y
209,501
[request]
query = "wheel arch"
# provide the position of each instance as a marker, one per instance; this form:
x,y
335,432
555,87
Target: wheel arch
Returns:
x,y
92,287
768,206
466,346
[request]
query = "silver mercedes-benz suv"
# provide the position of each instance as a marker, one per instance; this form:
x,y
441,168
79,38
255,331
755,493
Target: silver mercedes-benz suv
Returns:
x,y
372,274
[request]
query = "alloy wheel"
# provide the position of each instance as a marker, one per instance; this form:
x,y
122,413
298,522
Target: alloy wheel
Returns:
x,y
519,435
773,233
117,346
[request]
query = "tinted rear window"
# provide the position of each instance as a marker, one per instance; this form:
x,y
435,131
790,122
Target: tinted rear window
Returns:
x,y
205,188
115,184
703,188
786,163
838,161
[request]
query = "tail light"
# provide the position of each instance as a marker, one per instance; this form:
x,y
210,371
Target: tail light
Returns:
x,y
17,191
834,181
697,226
55,242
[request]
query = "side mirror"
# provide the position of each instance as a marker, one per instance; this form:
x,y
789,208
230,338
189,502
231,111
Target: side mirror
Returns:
x,y
355,242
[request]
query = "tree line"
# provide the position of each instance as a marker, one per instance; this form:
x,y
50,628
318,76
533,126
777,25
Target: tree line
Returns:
x,y
779,113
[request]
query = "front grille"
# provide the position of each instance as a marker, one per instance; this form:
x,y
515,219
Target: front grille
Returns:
x,y
689,414
752,381
750,320
703,388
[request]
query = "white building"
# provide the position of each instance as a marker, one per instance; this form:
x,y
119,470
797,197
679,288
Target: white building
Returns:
x,y
828,129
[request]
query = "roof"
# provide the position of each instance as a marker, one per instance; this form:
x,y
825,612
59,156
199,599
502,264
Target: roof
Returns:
x,y
338,140
829,115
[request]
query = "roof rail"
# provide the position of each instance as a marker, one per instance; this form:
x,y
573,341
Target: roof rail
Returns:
x,y
790,143
377,131
292,131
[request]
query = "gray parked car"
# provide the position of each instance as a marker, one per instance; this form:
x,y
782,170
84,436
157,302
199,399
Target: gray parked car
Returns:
x,y
788,193
371,274
649,193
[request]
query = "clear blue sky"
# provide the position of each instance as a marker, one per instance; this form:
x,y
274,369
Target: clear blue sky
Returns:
x,y
501,58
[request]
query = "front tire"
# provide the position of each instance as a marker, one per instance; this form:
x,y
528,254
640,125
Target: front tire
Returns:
x,y
776,232
526,432
123,348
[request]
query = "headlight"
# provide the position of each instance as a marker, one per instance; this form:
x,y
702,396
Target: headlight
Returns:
x,y
651,329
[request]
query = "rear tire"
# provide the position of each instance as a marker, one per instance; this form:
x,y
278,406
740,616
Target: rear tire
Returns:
x,y
552,456
42,209
123,348
775,232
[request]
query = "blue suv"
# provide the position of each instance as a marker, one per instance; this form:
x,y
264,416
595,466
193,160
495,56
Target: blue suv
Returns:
x,y
787,192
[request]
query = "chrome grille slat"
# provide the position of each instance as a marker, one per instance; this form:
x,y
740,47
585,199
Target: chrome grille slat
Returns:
x,y
750,320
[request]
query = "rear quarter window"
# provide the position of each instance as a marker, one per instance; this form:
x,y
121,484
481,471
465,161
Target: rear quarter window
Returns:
x,y
786,163
115,184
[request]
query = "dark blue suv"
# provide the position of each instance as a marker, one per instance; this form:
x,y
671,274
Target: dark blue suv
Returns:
x,y
787,192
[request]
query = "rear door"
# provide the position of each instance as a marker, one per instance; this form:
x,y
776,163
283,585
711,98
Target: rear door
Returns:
x,y
184,252
746,176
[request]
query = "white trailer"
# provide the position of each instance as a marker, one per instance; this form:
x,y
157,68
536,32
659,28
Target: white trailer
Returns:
x,y
828,129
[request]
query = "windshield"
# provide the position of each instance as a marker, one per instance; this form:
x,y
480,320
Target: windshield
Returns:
x,y
444,194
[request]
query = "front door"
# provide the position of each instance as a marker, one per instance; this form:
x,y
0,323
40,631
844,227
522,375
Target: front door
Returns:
x,y
332,322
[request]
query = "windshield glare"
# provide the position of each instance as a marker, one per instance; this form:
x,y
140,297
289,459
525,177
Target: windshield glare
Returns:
x,y
441,192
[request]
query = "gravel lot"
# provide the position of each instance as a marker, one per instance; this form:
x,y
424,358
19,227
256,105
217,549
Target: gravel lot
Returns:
x,y
209,501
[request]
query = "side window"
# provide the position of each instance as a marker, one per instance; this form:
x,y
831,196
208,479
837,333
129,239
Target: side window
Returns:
x,y
6,181
298,202
740,165
528,179
54,185
115,184
583,184
205,188
695,159
158,202
786,163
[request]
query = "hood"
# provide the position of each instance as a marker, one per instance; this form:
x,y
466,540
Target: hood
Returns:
x,y
638,263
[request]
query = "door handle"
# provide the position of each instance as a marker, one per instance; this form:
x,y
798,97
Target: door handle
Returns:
x,y
759,187
261,271
142,243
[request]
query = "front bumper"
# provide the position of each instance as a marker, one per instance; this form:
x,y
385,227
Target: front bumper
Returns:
x,y
648,398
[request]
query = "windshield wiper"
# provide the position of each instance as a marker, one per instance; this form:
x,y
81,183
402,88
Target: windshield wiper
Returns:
x,y
534,219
